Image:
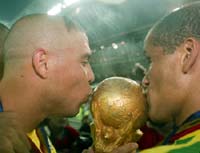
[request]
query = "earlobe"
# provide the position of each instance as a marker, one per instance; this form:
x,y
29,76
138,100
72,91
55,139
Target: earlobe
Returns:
x,y
191,51
39,62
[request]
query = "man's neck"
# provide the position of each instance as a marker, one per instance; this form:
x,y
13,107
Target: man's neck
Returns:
x,y
28,114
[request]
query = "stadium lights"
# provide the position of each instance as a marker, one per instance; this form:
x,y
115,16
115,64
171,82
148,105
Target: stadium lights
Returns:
x,y
58,7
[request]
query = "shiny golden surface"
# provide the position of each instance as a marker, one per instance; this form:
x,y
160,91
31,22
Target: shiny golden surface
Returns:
x,y
118,109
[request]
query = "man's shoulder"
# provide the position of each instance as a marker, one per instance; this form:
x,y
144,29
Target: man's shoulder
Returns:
x,y
40,141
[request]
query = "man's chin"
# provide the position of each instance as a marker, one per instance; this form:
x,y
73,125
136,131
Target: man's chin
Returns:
x,y
161,127
73,113
155,124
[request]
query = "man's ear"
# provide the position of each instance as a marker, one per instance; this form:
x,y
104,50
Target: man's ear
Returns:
x,y
39,61
191,50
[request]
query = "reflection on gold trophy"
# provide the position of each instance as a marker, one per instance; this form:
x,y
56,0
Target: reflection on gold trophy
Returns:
x,y
118,109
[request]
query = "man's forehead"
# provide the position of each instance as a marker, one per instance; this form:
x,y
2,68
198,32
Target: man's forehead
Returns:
x,y
149,46
85,50
80,34
151,50
77,38
80,37
88,51
146,47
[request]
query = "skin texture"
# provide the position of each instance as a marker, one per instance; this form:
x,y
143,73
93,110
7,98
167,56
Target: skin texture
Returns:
x,y
46,72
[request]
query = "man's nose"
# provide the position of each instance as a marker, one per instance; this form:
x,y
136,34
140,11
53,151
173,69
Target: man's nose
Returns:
x,y
91,76
145,81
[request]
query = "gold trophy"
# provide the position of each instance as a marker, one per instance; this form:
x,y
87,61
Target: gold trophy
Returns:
x,y
119,109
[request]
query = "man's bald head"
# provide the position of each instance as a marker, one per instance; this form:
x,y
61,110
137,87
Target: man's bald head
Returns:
x,y
38,31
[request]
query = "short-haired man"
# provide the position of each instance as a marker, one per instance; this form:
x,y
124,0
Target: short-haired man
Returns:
x,y
173,90
46,72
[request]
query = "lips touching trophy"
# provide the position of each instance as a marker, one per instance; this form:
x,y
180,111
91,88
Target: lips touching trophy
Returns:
x,y
118,109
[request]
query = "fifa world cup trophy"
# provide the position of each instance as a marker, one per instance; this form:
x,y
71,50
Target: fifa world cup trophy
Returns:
x,y
119,110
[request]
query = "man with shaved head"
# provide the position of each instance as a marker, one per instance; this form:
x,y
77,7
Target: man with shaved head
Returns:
x,y
172,82
46,72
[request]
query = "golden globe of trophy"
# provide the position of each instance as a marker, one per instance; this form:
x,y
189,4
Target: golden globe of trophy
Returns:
x,y
119,109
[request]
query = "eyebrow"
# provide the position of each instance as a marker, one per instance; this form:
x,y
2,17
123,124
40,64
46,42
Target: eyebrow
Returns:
x,y
86,55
